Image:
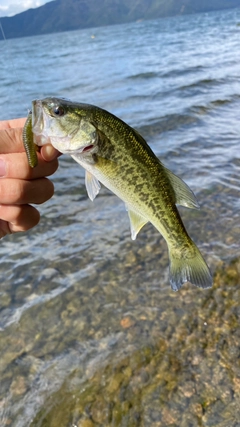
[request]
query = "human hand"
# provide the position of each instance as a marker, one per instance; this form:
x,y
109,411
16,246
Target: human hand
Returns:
x,y
20,185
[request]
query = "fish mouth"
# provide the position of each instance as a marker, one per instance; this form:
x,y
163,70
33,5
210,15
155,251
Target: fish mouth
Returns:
x,y
39,124
37,117
46,130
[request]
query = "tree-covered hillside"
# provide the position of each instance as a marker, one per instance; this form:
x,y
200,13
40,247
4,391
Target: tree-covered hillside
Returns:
x,y
64,15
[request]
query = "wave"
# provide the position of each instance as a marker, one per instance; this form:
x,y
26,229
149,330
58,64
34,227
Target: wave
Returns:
x,y
146,75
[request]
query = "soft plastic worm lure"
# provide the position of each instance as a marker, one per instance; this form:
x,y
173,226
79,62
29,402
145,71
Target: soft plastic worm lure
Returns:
x,y
30,147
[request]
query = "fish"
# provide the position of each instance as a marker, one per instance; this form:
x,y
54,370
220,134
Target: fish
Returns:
x,y
117,156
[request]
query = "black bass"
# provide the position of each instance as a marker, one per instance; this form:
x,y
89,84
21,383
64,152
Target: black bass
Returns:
x,y
116,155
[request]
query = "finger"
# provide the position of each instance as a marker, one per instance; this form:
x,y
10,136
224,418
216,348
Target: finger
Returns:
x,y
11,124
4,228
17,218
15,165
11,140
48,152
17,191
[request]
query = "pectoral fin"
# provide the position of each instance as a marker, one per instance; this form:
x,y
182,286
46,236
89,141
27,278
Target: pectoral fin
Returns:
x,y
136,222
183,194
92,185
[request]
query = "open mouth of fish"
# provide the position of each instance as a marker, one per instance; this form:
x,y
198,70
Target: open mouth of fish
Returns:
x,y
46,133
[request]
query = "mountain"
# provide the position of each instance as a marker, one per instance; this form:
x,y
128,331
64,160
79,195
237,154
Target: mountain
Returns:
x,y
65,15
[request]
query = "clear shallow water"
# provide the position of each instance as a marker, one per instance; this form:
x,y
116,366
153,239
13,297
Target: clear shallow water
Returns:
x,y
85,311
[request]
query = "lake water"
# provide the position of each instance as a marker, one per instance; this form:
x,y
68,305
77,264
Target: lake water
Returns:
x,y
90,332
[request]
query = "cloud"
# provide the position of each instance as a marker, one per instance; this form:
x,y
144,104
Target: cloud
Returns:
x,y
12,7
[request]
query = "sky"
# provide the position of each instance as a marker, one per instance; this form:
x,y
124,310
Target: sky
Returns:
x,y
12,7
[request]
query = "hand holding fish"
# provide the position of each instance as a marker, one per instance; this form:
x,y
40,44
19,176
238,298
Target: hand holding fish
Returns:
x,y
21,185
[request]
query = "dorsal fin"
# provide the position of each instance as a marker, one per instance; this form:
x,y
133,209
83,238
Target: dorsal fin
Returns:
x,y
183,194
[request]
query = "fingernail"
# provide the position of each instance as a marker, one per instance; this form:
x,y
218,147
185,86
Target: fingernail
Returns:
x,y
2,168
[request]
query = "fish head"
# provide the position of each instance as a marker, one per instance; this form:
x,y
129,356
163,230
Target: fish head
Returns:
x,y
64,124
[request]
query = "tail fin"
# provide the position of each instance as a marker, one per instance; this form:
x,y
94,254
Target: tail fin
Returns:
x,y
191,267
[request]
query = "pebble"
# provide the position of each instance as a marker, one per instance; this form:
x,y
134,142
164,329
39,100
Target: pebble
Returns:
x,y
49,273
18,386
127,322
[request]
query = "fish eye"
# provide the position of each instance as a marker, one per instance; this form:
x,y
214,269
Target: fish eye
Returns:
x,y
58,111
